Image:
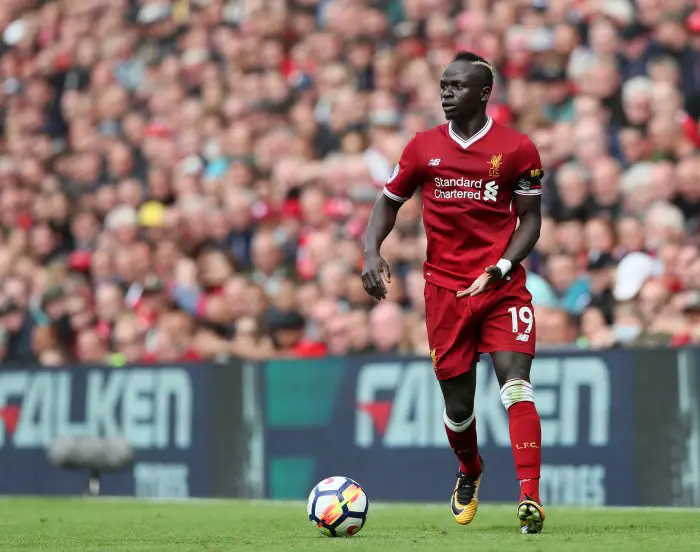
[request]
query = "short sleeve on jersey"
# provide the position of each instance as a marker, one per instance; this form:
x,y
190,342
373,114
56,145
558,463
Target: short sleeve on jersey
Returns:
x,y
405,178
529,169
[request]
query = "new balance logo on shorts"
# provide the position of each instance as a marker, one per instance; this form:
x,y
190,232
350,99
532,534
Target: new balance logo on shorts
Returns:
x,y
522,337
434,162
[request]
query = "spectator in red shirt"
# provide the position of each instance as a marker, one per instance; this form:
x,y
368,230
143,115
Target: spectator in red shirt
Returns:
x,y
287,329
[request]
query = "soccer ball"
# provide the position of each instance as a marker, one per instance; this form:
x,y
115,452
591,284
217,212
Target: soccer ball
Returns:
x,y
337,507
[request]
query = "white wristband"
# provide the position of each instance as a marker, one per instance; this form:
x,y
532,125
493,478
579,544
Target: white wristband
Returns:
x,y
505,265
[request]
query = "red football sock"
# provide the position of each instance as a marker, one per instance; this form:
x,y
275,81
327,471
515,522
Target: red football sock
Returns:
x,y
462,438
526,442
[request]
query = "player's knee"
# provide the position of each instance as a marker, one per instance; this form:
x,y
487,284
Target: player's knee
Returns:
x,y
515,391
514,372
458,411
511,366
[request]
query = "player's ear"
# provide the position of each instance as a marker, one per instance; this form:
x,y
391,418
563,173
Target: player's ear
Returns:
x,y
485,94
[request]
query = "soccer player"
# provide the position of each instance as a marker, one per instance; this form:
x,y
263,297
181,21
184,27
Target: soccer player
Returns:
x,y
480,189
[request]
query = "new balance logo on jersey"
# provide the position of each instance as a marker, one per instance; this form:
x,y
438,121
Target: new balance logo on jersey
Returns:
x,y
522,337
490,191
434,162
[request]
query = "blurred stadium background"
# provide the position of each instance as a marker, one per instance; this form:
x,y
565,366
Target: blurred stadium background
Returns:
x,y
184,187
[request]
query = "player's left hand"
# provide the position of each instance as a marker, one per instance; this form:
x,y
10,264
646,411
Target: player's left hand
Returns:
x,y
490,276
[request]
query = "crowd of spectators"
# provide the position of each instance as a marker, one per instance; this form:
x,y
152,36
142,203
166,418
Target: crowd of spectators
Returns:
x,y
187,179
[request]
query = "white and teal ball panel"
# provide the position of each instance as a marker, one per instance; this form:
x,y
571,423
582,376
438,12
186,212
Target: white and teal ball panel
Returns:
x,y
338,507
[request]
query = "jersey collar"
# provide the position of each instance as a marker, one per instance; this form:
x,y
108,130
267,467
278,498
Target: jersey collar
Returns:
x,y
464,144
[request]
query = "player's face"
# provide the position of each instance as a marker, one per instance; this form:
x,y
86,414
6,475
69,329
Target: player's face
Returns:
x,y
462,91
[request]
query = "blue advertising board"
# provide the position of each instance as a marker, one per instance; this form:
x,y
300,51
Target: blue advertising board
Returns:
x,y
379,421
615,431
163,411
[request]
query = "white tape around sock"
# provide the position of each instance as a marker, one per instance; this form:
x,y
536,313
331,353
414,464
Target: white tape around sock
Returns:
x,y
457,427
516,390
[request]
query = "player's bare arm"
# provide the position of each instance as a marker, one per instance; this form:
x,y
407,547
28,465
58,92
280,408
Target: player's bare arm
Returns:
x,y
376,270
521,244
527,233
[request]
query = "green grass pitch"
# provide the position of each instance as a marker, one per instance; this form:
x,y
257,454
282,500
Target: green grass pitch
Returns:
x,y
78,525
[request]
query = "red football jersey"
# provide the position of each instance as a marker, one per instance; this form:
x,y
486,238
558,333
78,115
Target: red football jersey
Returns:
x,y
467,188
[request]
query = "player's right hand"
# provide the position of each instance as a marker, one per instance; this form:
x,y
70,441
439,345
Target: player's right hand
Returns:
x,y
374,273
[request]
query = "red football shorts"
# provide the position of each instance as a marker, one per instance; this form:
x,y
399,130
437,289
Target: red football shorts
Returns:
x,y
459,329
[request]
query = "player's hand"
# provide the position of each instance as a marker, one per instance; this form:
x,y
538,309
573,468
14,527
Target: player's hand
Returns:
x,y
374,273
490,276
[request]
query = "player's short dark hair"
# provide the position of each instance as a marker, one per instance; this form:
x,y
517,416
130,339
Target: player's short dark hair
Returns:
x,y
481,66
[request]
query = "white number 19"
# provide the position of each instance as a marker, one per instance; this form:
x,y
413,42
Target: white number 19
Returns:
x,y
525,315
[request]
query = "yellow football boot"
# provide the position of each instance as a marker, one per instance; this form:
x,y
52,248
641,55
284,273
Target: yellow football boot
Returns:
x,y
465,498
531,516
